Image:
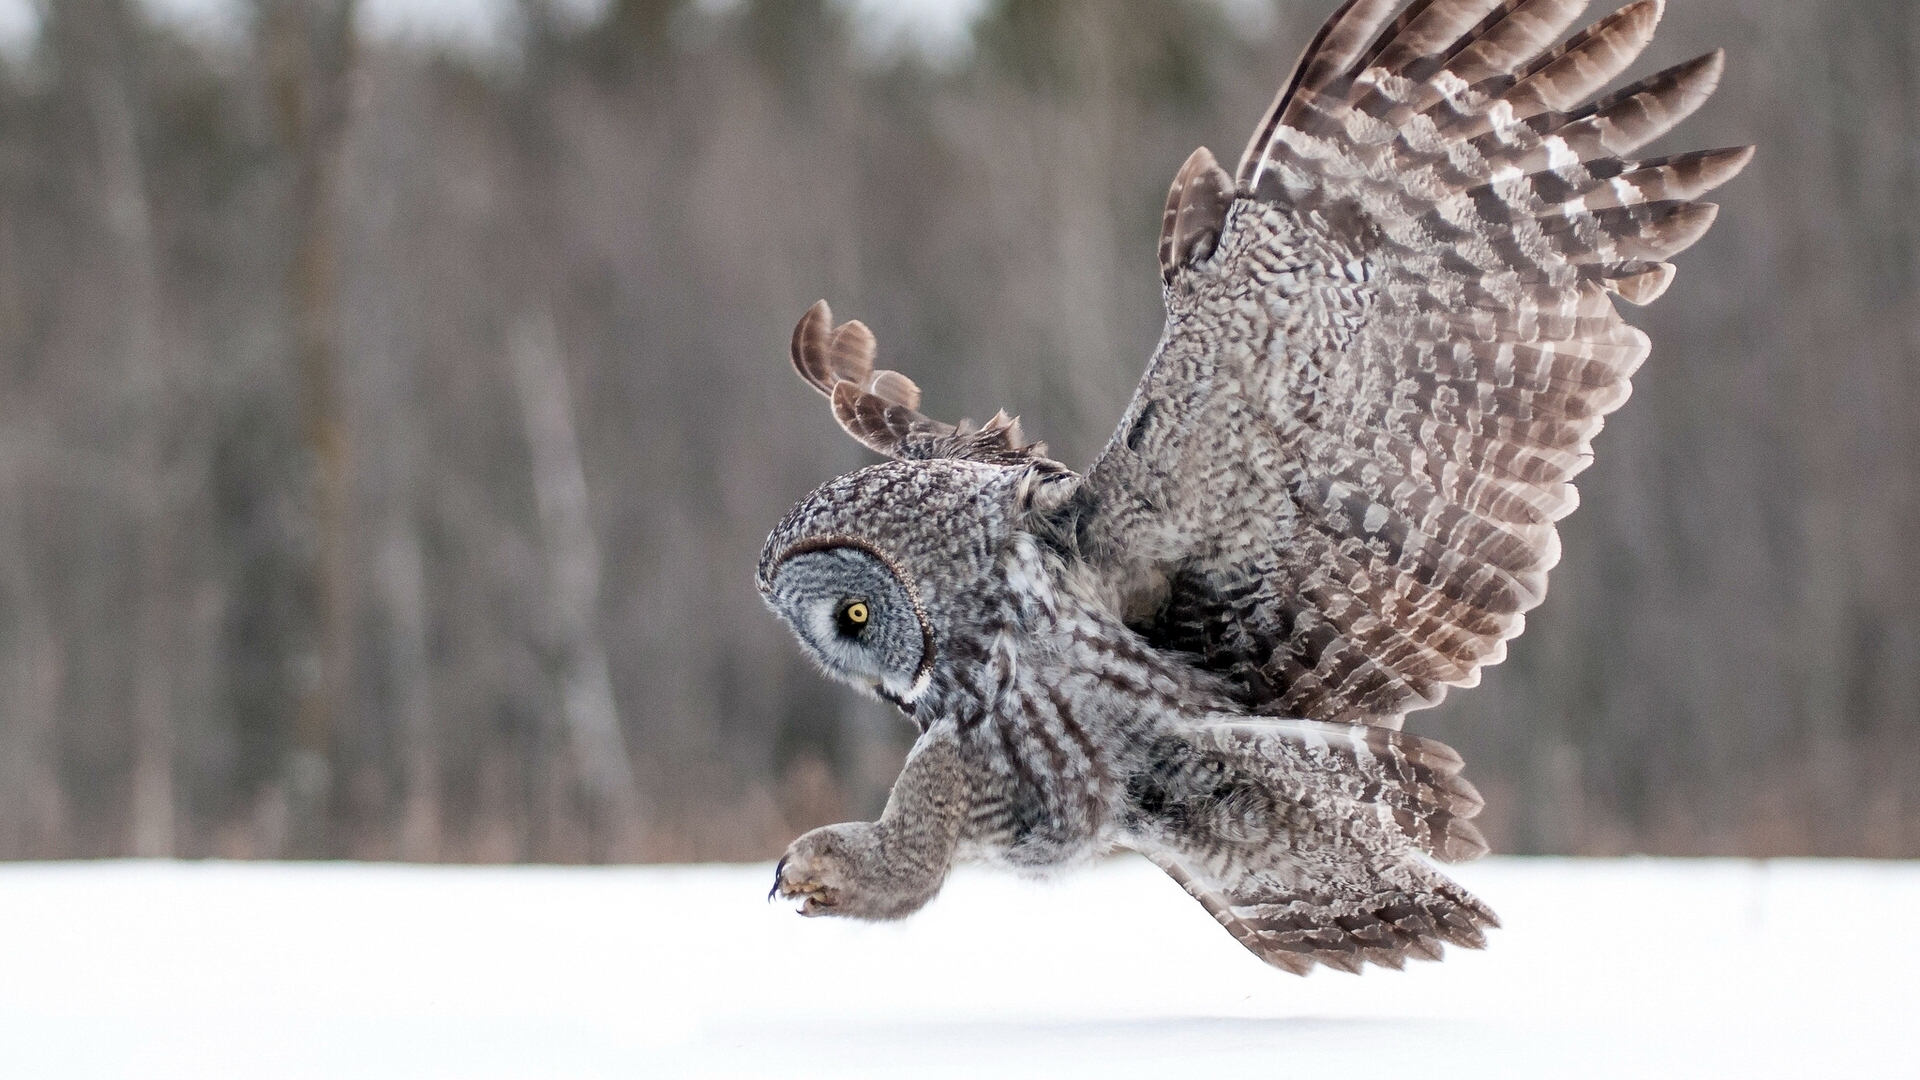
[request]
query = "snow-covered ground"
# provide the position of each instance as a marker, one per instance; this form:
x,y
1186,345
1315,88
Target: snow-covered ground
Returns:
x,y
1607,968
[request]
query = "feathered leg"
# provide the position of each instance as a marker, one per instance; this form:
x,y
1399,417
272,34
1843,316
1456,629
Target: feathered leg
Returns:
x,y
886,869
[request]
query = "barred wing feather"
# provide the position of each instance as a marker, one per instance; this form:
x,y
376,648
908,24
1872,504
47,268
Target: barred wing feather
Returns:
x,y
1391,338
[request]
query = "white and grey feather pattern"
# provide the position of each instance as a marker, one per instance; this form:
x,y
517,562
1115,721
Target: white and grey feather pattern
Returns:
x,y
1391,339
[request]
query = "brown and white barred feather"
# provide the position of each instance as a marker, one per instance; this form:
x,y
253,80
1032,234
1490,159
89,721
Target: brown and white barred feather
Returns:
x,y
881,408
1303,839
1387,357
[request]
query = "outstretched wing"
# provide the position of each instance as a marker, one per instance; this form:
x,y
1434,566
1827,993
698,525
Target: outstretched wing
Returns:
x,y
1390,342
881,409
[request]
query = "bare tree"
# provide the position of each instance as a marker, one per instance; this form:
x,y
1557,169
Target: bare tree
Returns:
x,y
97,41
573,598
308,50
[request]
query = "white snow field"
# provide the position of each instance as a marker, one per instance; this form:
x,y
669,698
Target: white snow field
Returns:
x,y
1606,968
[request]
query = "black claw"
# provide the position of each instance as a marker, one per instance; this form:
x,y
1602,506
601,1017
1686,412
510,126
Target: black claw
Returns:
x,y
775,891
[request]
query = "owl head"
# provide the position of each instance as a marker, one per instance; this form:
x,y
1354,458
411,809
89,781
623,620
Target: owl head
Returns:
x,y
874,570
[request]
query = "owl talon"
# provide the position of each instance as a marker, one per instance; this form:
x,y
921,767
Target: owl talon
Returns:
x,y
848,871
815,898
814,879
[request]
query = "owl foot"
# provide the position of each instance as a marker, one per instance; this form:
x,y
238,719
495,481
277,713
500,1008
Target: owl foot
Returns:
x,y
811,877
887,869
815,896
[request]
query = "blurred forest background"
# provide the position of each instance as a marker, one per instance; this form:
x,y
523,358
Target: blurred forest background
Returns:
x,y
387,435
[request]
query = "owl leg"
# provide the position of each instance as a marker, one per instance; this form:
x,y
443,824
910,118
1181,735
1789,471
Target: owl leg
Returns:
x,y
890,868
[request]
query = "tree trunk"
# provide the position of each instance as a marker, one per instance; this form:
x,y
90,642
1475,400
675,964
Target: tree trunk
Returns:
x,y
403,595
573,598
309,50
96,37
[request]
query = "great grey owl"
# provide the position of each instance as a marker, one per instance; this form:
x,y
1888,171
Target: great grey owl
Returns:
x,y
1390,341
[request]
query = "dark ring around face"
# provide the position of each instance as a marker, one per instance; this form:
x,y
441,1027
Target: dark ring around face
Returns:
x,y
835,540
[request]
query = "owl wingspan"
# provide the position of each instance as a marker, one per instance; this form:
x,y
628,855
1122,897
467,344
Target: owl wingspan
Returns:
x,y
881,408
1387,355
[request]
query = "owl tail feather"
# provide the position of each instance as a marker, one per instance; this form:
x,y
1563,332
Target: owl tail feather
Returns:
x,y
1305,840
1294,919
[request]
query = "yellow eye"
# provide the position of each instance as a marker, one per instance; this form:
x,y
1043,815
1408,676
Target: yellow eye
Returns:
x,y
857,613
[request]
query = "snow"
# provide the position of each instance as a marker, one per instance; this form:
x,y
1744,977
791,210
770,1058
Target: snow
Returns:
x,y
1606,968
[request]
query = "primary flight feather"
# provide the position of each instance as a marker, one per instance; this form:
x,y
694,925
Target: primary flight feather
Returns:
x,y
1391,338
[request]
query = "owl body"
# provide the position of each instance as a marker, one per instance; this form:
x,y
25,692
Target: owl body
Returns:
x,y
1391,339
1058,707
1053,702
1072,734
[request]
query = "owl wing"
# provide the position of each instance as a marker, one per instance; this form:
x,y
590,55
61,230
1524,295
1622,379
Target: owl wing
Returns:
x,y
1390,342
881,408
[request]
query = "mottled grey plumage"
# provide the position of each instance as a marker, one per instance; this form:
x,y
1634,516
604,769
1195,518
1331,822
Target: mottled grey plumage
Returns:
x,y
1390,341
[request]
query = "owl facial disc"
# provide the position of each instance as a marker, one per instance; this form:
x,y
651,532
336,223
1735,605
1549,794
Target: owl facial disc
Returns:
x,y
855,615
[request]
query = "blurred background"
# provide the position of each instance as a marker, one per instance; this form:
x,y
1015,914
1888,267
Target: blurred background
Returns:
x,y
394,399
